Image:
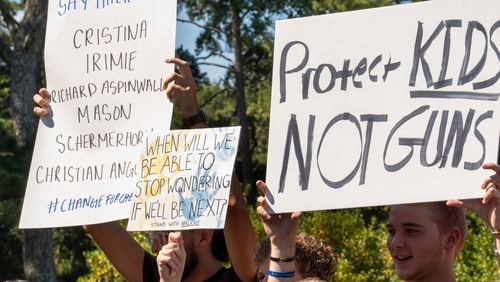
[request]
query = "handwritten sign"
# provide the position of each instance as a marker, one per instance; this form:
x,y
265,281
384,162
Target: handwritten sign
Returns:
x,y
384,106
104,63
186,180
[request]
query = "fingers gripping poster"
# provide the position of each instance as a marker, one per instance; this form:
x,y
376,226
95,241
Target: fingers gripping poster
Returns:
x,y
384,106
104,64
186,180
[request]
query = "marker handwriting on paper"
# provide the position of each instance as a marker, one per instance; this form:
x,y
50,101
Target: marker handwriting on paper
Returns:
x,y
68,6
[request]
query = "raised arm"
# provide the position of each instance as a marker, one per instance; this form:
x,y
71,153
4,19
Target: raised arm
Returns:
x,y
487,208
181,89
126,254
239,234
238,231
120,248
281,230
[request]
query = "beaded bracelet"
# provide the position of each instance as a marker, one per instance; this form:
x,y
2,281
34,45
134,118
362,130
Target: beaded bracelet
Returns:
x,y
282,259
280,274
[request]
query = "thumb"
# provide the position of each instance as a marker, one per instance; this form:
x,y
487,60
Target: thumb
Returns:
x,y
455,203
296,215
173,237
470,204
180,243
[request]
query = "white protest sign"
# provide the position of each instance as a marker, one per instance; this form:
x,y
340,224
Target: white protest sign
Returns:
x,y
187,179
383,106
104,63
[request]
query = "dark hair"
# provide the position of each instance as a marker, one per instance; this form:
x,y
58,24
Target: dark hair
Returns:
x,y
219,249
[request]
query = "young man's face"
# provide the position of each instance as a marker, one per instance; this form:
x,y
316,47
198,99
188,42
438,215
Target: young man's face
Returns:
x,y
191,257
415,242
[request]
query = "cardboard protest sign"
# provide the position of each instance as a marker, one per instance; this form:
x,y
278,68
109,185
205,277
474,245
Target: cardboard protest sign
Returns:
x,y
384,106
104,63
186,180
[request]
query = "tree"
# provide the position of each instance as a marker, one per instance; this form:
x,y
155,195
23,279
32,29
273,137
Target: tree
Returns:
x,y
21,49
237,27
240,33
333,6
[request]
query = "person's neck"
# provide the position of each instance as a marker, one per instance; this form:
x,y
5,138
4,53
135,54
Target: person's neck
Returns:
x,y
444,273
206,267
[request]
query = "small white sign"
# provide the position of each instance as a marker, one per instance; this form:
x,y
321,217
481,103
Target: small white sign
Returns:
x,y
384,106
104,63
186,180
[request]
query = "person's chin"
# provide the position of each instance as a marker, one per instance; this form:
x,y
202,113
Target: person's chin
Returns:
x,y
404,267
404,274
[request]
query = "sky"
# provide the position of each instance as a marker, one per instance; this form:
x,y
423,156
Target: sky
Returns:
x,y
186,36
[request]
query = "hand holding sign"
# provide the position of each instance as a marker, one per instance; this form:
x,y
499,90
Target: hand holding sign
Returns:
x,y
107,100
488,208
401,113
181,87
281,228
186,178
42,100
172,258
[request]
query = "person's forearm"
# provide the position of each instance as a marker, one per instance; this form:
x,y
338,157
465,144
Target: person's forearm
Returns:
x,y
496,238
120,248
282,260
239,234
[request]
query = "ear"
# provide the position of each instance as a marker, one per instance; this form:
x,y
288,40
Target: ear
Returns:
x,y
205,237
453,238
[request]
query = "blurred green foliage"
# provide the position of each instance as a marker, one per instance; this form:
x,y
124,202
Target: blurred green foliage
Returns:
x,y
100,269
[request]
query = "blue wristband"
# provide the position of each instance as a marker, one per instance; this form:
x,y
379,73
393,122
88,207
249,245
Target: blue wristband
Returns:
x,y
280,274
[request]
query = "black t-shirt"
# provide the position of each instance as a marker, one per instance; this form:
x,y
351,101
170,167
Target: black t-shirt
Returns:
x,y
150,272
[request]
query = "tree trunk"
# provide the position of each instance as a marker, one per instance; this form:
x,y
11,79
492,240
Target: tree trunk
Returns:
x,y
26,68
241,106
38,255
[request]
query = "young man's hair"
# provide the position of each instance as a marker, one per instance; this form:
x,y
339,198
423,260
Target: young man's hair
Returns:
x,y
313,258
218,246
447,218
